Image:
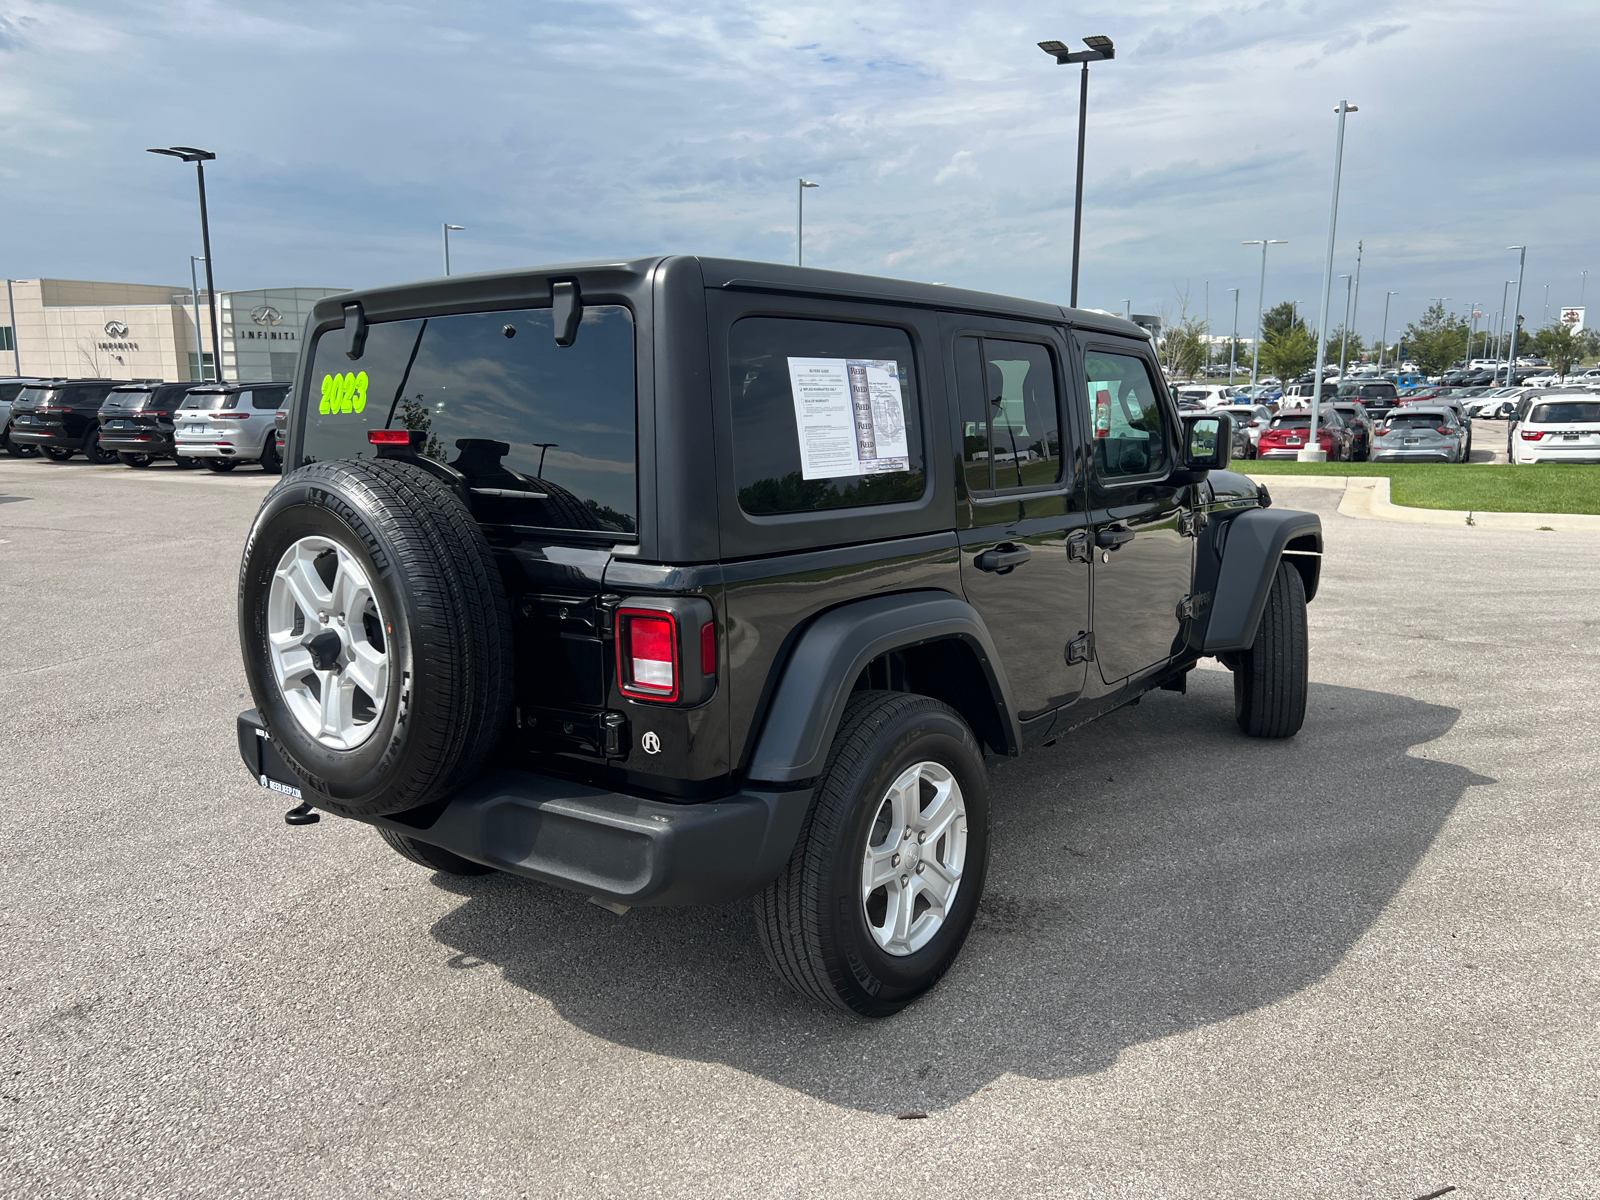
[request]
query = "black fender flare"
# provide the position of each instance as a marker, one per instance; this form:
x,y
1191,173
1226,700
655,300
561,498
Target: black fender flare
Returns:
x,y
831,653
1252,547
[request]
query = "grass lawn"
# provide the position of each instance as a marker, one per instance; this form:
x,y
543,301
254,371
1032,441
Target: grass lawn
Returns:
x,y
1475,487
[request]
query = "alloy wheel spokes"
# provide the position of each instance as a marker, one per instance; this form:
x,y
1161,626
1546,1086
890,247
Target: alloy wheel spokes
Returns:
x,y
327,641
913,861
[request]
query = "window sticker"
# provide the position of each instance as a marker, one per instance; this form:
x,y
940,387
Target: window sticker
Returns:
x,y
850,416
346,392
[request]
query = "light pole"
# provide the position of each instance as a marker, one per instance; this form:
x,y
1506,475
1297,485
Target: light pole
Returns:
x,y
1312,451
1516,313
1127,310
1355,308
200,158
199,346
1344,330
1383,341
1472,333
1261,297
1233,342
1099,48
800,220
1583,285
1546,304
16,349
1500,335
446,231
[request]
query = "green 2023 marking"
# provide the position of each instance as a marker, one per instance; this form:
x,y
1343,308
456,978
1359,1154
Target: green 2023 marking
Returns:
x,y
343,393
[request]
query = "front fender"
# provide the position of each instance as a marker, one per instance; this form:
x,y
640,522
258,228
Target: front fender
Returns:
x,y
830,655
1251,547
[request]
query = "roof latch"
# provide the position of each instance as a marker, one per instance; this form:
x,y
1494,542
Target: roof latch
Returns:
x,y
566,310
355,330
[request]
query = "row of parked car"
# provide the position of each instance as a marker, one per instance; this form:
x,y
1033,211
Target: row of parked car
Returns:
x,y
1358,421
216,425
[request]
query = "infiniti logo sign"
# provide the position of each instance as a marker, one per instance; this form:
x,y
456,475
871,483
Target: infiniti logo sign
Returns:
x,y
265,314
116,329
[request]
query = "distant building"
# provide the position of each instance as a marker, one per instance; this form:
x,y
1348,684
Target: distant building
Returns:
x,y
79,328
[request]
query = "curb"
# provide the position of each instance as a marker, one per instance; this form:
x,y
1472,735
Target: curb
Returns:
x,y
1366,497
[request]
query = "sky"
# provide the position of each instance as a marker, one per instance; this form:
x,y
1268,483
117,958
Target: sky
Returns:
x,y
943,139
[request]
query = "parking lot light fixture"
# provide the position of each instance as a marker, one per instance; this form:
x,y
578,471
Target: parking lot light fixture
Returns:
x,y
199,346
1344,331
1261,297
800,220
1383,341
1100,49
200,158
447,228
1233,342
1583,286
1312,451
1516,313
16,352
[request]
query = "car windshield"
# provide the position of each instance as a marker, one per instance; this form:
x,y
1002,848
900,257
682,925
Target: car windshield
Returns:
x,y
210,401
1565,413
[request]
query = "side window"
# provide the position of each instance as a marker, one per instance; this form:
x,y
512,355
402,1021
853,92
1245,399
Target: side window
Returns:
x,y
1130,434
545,434
238,400
1010,424
268,398
825,415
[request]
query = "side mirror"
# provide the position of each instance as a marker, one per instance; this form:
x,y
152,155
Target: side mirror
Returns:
x,y
1207,442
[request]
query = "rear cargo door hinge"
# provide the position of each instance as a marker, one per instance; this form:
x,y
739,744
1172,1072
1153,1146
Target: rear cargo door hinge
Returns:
x,y
1191,524
607,606
1081,648
1191,607
1078,546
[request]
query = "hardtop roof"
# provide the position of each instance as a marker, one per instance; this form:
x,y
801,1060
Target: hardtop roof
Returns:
x,y
462,293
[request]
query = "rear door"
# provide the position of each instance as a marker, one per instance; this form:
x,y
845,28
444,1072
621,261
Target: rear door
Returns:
x,y
1021,521
540,440
1144,559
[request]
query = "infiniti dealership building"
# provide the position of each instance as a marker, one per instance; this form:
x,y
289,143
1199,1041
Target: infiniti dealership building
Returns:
x,y
72,328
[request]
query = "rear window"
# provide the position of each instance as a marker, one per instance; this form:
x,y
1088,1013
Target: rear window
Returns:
x,y
824,415
128,400
1565,413
1292,422
1408,419
544,434
212,401
1194,394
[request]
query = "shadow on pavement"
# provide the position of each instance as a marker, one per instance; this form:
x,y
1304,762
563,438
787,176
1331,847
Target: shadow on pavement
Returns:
x,y
1152,873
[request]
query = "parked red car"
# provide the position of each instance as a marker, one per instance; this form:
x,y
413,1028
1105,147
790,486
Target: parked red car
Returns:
x,y
1286,436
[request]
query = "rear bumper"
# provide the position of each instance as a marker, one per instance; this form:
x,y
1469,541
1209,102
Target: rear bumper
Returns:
x,y
129,441
213,450
611,846
1437,454
44,437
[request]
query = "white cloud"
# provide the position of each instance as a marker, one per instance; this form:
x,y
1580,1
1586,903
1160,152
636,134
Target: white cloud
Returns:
x,y
960,164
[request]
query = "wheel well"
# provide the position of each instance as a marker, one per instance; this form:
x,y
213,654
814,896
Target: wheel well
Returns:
x,y
1308,561
948,670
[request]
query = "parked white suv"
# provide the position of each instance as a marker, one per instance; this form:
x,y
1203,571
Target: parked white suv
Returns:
x,y
1555,427
225,424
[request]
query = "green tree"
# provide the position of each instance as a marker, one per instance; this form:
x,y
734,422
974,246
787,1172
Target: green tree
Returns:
x,y
1559,346
1288,353
1437,340
1183,348
1280,318
1353,349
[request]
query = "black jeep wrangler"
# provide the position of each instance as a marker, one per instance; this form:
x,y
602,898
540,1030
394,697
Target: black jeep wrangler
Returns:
x,y
682,580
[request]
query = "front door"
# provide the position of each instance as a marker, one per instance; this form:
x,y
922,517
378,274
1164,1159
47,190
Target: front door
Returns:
x,y
1022,525
1143,558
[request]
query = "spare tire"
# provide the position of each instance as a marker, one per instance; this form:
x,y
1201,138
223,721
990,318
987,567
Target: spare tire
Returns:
x,y
376,635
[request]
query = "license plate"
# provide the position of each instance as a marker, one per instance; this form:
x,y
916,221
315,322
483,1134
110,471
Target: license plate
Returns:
x,y
1413,441
1292,442
118,425
1569,437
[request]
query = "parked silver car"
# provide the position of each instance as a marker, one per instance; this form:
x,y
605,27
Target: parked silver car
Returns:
x,y
225,424
1421,433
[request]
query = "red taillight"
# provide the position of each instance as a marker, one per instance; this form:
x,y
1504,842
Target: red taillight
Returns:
x,y
647,654
1532,435
389,437
1444,429
708,649
230,416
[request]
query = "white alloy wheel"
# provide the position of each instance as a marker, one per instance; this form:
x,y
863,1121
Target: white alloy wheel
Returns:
x,y
915,853
328,642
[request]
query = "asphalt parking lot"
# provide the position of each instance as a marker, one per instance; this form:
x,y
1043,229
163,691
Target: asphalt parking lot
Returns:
x,y
1361,963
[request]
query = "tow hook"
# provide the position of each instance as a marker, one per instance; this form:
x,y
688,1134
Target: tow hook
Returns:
x,y
303,815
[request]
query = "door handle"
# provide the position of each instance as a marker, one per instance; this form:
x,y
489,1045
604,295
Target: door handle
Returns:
x,y
1003,558
1113,539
